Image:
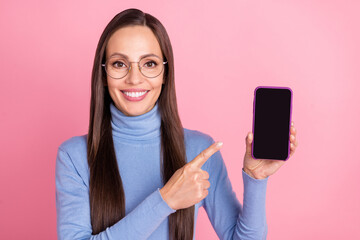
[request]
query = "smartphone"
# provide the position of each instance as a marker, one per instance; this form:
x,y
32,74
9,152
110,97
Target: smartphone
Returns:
x,y
271,122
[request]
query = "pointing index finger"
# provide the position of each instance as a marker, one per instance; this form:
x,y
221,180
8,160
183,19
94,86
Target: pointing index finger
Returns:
x,y
200,159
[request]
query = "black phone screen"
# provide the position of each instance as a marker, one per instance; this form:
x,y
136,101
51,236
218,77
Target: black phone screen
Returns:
x,y
271,123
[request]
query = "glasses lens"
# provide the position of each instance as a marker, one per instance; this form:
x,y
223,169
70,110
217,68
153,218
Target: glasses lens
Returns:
x,y
117,67
151,66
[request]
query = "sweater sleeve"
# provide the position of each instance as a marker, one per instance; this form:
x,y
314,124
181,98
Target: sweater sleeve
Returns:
x,y
229,218
73,208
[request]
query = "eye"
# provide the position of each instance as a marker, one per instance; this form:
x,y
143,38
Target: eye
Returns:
x,y
150,64
118,64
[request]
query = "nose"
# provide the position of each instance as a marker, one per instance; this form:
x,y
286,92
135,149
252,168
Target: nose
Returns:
x,y
134,76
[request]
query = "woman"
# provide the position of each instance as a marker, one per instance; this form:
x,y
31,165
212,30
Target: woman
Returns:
x,y
138,174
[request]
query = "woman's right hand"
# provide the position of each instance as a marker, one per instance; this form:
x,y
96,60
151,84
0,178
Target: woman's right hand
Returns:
x,y
189,184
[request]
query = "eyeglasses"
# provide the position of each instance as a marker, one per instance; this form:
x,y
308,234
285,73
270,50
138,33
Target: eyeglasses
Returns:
x,y
118,67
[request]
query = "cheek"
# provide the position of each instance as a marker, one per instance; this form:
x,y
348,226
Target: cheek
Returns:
x,y
113,89
158,84
112,85
157,88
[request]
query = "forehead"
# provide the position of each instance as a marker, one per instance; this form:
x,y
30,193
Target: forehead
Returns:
x,y
133,41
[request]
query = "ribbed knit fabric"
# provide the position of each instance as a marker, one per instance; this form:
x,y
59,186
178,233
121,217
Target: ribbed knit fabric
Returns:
x,y
137,148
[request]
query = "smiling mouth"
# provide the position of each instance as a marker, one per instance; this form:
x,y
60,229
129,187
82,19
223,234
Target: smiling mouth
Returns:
x,y
134,94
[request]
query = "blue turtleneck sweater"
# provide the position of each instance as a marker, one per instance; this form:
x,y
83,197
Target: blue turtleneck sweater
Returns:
x,y
137,148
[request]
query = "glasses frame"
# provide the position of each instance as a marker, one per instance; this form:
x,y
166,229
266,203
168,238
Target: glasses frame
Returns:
x,y
129,68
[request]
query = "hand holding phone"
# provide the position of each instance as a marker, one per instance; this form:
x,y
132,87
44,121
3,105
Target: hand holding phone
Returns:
x,y
260,168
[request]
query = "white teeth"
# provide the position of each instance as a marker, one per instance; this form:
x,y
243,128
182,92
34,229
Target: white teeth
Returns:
x,y
135,94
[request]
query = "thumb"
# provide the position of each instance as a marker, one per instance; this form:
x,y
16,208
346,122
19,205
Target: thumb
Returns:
x,y
248,140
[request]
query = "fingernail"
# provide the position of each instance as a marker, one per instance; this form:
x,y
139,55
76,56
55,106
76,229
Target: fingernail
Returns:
x,y
219,144
292,123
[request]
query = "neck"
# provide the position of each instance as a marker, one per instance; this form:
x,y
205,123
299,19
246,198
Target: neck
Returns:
x,y
141,127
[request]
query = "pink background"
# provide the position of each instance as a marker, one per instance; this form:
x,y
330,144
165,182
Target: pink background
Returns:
x,y
223,50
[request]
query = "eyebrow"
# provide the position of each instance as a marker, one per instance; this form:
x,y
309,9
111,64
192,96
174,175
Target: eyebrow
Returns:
x,y
127,57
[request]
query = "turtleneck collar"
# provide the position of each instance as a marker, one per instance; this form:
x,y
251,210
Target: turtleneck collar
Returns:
x,y
141,127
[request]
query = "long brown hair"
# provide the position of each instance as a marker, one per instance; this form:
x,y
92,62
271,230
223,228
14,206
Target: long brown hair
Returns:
x,y
107,197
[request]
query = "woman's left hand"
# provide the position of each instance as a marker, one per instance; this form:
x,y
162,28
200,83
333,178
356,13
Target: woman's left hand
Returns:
x,y
262,168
